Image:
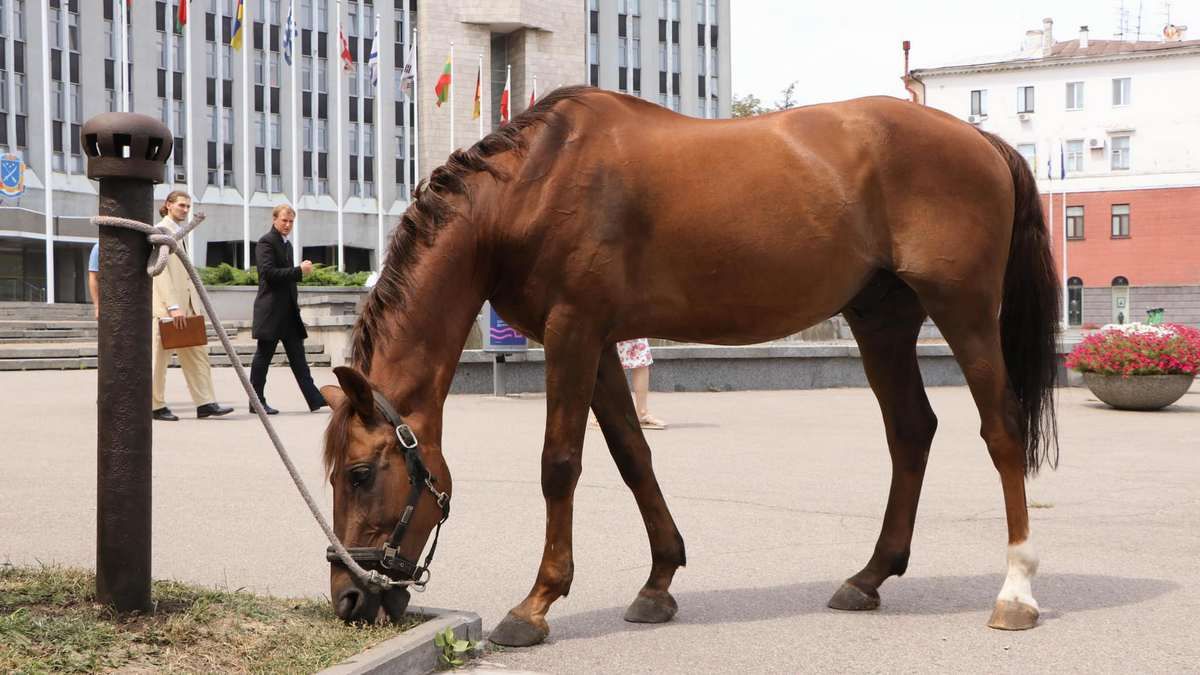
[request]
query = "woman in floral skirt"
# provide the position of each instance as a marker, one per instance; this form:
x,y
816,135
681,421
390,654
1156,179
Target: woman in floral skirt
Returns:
x,y
635,357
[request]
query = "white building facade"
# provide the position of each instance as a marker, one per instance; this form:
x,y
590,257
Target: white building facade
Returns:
x,y
1122,117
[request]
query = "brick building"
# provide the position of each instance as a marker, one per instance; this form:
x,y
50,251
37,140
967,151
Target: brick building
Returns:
x,y
1119,120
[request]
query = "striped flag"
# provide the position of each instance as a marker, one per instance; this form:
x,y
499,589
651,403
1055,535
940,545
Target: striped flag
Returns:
x,y
347,60
182,17
442,87
478,95
373,57
1062,163
504,112
407,76
289,36
238,18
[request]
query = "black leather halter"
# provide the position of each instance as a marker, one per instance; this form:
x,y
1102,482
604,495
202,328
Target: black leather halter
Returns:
x,y
388,556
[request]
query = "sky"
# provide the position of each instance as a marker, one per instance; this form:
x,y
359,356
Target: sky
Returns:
x,y
848,48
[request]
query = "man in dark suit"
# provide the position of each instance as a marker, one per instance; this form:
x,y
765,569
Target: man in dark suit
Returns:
x,y
277,312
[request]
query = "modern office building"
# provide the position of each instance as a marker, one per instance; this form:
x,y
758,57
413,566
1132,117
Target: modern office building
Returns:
x,y
1113,125
284,119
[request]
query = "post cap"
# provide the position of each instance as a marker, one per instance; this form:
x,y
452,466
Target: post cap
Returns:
x,y
126,145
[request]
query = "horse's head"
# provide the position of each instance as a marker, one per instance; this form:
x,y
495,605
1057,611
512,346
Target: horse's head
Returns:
x,y
390,490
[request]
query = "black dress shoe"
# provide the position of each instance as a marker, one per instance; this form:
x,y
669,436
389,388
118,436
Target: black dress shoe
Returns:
x,y
268,409
212,410
165,415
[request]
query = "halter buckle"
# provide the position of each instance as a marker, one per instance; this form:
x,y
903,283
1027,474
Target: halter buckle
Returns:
x,y
405,435
390,553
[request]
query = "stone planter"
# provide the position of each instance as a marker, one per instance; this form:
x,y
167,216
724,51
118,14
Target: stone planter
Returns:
x,y
1138,392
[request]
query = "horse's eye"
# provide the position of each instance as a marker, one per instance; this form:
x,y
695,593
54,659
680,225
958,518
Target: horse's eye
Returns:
x,y
360,476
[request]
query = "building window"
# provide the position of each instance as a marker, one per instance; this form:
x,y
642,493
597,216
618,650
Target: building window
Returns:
x,y
1075,156
1074,222
1029,152
1120,220
979,102
1120,152
1074,301
1074,96
1122,89
1024,99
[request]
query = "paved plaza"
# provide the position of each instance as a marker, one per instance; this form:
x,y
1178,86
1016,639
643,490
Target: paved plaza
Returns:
x,y
779,496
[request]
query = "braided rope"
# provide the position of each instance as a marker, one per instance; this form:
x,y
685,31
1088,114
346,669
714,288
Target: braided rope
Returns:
x,y
166,243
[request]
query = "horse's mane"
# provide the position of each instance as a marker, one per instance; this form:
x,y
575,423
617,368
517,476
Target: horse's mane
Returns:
x,y
430,210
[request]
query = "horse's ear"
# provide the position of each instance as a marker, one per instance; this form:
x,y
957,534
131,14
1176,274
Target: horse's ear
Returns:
x,y
334,395
357,391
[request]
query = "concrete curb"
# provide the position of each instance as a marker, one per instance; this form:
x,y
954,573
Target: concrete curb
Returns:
x,y
413,652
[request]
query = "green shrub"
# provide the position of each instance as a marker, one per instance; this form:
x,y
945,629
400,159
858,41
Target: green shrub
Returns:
x,y
322,275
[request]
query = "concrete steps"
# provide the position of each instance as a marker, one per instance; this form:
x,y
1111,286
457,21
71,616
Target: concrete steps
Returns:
x,y
74,356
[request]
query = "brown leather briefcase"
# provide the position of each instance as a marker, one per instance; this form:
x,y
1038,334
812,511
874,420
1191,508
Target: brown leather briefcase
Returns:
x,y
193,333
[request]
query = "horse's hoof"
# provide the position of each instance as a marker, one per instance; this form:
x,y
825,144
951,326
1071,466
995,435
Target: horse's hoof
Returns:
x,y
657,608
853,599
514,631
1011,615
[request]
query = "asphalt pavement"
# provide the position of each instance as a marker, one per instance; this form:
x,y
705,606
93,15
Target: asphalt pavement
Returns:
x,y
779,496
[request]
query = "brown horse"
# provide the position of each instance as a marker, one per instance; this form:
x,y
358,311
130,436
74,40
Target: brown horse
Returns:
x,y
596,217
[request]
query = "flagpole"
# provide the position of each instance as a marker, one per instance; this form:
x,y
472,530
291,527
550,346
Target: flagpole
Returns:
x,y
190,142
378,143
480,83
416,133
450,93
47,166
1066,290
124,32
247,107
341,143
404,98
297,149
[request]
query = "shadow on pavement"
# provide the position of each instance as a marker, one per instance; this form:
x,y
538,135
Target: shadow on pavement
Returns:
x,y
1058,595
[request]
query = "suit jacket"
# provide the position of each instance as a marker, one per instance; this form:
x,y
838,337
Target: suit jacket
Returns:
x,y
173,287
276,310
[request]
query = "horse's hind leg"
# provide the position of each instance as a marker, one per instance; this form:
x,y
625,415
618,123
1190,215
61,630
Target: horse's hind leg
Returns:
x,y
970,326
618,420
886,318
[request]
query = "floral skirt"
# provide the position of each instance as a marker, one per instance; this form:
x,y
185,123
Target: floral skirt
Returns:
x,y
634,353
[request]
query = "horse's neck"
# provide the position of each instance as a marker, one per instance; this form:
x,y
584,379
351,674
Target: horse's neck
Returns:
x,y
447,288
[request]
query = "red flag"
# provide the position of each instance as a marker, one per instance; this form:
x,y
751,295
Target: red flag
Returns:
x,y
347,61
182,17
504,115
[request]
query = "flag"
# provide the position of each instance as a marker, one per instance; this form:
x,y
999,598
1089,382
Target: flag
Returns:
x,y
533,93
182,17
504,115
238,18
1062,164
347,60
289,36
373,57
407,75
1050,165
478,95
442,88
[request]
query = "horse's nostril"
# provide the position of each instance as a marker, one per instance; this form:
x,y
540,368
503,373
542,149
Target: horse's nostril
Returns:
x,y
347,603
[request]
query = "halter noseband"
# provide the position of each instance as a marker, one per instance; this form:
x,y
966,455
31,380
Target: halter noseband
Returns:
x,y
388,556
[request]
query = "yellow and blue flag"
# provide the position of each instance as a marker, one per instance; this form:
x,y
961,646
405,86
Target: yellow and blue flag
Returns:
x,y
238,19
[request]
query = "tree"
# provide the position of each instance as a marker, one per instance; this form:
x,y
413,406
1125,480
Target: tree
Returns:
x,y
747,106
789,98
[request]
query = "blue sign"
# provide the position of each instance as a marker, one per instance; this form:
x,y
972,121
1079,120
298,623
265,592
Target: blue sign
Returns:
x,y
498,336
12,176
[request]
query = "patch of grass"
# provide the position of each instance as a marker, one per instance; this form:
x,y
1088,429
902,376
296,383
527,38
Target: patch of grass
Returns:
x,y
50,622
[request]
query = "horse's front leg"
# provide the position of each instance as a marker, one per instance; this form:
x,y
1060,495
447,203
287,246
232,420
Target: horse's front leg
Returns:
x,y
571,358
619,421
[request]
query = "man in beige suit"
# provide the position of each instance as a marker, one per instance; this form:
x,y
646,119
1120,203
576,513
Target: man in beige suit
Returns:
x,y
175,299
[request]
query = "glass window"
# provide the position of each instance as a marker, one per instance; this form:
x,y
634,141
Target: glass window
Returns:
x,y
675,57
352,138
227,122
1075,301
210,58
260,131
1024,99
1074,156
308,134
1074,222
1120,220
322,135
1120,152
979,102
1121,90
1074,96
1029,152
276,134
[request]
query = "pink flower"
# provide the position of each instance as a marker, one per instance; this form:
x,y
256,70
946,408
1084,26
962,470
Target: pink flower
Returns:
x,y
1138,349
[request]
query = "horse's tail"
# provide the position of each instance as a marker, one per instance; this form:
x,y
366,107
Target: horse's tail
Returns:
x,y
1029,315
